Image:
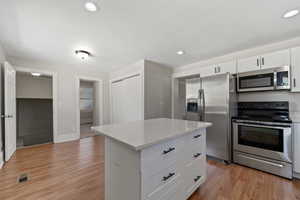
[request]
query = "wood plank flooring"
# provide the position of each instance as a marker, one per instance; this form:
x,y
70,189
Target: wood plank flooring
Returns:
x,y
75,171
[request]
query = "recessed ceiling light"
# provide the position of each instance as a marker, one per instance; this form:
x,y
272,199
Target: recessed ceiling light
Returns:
x,y
35,74
91,6
291,13
82,54
180,52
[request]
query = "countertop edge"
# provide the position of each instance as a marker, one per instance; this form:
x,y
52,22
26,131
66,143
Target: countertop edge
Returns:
x,y
141,147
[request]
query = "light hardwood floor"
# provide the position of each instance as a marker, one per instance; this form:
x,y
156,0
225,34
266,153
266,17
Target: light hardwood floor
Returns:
x,y
75,171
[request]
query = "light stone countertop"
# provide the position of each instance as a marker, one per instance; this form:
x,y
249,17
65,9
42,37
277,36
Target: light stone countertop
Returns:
x,y
145,133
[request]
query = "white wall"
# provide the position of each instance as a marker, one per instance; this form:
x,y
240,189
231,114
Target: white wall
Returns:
x,y
28,86
2,59
67,94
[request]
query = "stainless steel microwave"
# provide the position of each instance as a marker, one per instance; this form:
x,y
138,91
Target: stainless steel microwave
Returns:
x,y
264,80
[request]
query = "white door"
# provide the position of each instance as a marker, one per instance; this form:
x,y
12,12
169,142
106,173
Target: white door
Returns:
x,y
132,92
127,100
10,138
117,101
249,64
275,59
295,69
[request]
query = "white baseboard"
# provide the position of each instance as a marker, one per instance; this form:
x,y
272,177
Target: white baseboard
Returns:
x,y
296,175
1,160
66,138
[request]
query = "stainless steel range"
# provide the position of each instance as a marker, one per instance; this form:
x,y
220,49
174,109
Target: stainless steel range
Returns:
x,y
262,137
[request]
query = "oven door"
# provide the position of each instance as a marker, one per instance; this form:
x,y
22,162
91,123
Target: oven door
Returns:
x,y
273,142
256,81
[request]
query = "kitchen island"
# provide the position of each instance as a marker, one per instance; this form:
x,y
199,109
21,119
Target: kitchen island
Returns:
x,y
157,159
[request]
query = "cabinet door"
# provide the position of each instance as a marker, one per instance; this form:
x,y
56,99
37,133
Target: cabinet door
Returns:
x,y
275,59
225,67
207,71
297,147
295,66
248,64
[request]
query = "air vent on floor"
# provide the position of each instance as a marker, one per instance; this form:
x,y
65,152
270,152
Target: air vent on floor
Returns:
x,y
23,178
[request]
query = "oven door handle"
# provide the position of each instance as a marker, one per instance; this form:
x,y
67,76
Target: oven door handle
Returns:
x,y
263,161
263,126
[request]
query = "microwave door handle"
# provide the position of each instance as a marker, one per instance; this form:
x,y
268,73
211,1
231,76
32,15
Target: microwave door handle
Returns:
x,y
275,80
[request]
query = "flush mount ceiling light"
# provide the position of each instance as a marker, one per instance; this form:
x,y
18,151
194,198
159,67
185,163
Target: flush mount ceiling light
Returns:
x,y
35,74
91,6
291,13
82,54
180,52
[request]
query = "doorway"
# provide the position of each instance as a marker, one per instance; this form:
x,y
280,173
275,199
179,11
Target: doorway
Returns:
x,y
87,103
34,109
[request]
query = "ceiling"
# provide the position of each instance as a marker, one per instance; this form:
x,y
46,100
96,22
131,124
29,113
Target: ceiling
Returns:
x,y
125,31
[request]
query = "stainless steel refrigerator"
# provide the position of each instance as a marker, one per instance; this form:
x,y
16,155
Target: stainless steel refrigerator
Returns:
x,y
212,99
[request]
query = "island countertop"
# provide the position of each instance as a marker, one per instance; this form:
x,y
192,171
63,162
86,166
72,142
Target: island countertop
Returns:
x,y
145,133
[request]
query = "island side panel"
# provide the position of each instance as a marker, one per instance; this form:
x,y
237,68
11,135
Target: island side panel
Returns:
x,y
122,171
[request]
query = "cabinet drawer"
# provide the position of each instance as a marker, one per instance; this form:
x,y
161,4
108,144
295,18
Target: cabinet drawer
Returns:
x,y
160,183
195,146
196,175
158,157
193,154
195,137
196,140
173,191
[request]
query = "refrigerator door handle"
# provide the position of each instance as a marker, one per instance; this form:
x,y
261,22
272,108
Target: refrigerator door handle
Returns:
x,y
202,105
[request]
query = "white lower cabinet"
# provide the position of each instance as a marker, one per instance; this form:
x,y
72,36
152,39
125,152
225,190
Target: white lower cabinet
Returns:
x,y
172,170
297,148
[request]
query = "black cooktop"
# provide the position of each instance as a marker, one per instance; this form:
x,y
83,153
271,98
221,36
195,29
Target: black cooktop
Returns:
x,y
275,111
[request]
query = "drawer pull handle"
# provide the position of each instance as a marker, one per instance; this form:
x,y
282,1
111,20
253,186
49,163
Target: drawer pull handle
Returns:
x,y
197,136
197,178
169,150
165,178
197,155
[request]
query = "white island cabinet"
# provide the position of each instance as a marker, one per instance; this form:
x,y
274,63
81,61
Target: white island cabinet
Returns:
x,y
157,159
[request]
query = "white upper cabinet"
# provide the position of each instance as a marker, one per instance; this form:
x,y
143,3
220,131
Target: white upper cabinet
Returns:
x,y
221,68
226,67
275,59
295,65
207,71
269,60
248,64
